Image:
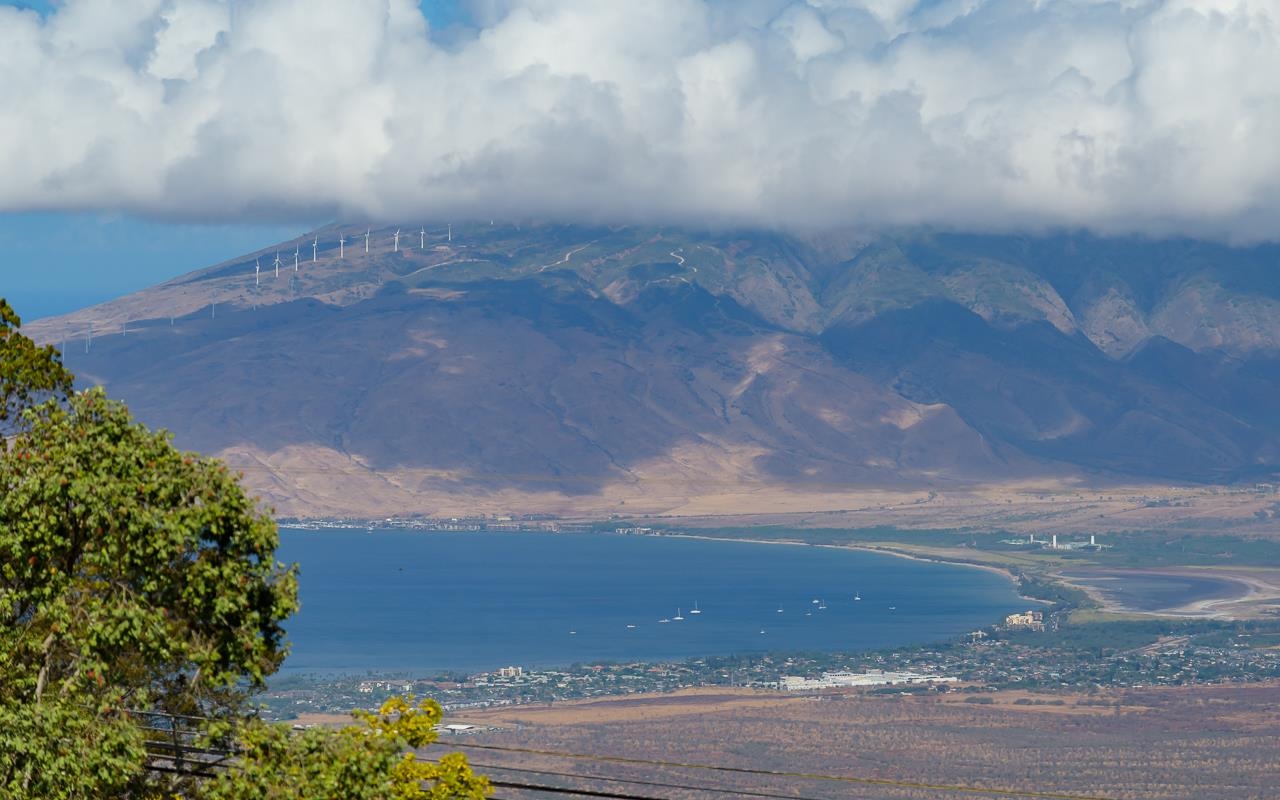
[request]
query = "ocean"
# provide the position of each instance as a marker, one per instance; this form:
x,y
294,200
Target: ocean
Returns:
x,y
430,602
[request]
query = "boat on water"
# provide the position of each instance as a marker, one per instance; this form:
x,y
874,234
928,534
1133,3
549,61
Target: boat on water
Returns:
x,y
779,609
857,596
695,610
630,626
677,617
663,621
822,606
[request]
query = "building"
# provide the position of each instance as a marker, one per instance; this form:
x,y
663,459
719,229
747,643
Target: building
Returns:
x,y
835,680
1030,620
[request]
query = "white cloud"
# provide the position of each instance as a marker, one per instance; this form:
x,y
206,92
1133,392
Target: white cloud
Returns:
x,y
1159,116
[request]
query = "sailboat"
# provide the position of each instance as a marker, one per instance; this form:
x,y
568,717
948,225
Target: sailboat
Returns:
x,y
779,609
822,606
857,596
677,617
695,608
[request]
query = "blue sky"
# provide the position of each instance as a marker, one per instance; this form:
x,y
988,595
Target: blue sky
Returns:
x,y
52,263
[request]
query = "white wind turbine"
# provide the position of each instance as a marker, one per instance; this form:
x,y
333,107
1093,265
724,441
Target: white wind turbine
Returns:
x,y
296,248
451,231
342,245
422,239
277,263
396,248
314,245
366,240
257,272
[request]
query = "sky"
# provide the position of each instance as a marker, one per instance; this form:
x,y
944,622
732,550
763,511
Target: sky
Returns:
x,y
145,138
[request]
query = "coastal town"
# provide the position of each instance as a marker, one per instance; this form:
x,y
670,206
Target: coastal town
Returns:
x,y
1022,652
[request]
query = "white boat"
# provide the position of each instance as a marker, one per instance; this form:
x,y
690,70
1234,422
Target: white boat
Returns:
x,y
822,606
695,609
630,627
857,597
779,609
663,621
677,617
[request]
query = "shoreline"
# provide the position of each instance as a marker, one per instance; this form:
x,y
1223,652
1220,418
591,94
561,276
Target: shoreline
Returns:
x,y
1255,595
1258,592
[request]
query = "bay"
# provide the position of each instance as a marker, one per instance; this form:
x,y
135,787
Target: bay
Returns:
x,y
430,602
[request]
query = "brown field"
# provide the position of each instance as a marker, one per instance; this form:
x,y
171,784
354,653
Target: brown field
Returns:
x,y
1197,743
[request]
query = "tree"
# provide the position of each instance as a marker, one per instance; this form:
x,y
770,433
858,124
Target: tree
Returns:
x,y
365,761
131,574
137,577
27,371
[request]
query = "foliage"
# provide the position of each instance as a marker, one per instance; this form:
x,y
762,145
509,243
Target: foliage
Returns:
x,y
1061,595
64,750
364,761
128,563
134,576
27,371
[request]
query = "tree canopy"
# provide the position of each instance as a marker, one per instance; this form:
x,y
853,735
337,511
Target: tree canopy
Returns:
x,y
27,371
135,577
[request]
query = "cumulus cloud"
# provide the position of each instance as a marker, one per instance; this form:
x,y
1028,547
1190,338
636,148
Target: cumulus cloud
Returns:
x,y
1157,116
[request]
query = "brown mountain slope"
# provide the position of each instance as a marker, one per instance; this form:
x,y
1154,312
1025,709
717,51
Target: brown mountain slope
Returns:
x,y
577,370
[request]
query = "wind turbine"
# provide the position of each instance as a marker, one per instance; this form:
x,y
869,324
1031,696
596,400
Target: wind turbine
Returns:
x,y
451,231
314,245
396,248
422,239
342,243
257,272
296,248
366,241
277,263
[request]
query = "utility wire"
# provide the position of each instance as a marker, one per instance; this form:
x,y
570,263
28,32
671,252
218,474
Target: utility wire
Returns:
x,y
638,782
576,792
815,776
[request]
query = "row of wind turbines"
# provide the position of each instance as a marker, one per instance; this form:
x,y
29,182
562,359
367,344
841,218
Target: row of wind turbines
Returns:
x,y
342,250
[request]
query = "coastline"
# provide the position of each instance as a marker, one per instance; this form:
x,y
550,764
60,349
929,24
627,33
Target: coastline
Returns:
x,y
1260,587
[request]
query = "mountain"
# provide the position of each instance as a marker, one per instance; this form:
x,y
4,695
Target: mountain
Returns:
x,y
541,368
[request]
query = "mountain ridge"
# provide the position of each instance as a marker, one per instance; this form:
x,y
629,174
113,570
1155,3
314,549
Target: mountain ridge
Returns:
x,y
579,369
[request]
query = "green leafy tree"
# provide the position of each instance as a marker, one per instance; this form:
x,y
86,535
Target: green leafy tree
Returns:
x,y
370,760
137,577
132,575
27,371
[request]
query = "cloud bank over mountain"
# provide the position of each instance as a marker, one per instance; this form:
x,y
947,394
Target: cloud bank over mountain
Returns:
x,y
1152,116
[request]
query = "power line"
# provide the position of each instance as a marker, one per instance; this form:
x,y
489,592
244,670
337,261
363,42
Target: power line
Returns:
x,y
565,790
815,776
638,782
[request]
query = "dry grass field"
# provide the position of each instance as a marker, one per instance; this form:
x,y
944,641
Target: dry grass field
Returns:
x,y
1192,744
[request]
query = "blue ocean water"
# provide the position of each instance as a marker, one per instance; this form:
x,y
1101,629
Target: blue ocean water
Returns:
x,y
428,601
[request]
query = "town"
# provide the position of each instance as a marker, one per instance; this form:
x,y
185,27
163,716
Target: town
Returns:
x,y
1023,652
